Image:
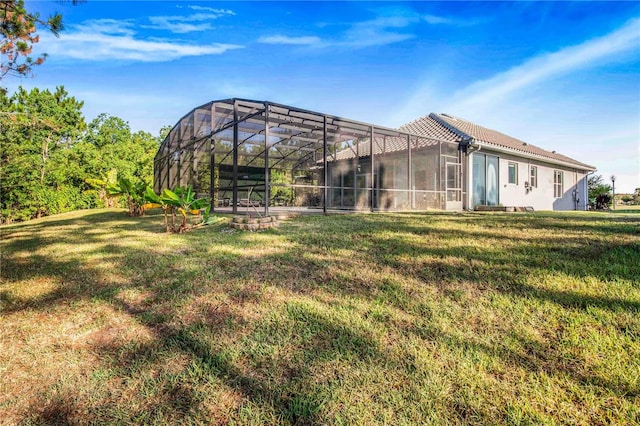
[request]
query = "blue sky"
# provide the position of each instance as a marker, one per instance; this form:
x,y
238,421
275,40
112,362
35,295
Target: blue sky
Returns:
x,y
564,76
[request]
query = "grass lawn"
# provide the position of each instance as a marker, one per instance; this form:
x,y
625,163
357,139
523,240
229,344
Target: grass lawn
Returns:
x,y
412,318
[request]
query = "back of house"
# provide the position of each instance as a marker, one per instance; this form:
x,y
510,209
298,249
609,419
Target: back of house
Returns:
x,y
498,169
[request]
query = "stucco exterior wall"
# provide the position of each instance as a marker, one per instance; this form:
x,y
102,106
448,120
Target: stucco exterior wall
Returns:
x,y
541,197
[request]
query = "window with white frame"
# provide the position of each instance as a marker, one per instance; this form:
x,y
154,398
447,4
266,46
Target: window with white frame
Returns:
x,y
533,178
558,183
513,173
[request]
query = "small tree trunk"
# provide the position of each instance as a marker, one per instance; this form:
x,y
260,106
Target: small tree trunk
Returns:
x,y
166,219
45,156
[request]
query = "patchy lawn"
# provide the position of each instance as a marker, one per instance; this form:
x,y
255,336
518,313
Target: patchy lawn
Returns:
x,y
414,318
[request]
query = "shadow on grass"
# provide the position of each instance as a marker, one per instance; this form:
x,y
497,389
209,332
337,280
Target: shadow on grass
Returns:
x,y
489,265
535,356
315,337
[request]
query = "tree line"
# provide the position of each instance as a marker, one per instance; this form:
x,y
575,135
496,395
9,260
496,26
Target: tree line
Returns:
x,y
52,161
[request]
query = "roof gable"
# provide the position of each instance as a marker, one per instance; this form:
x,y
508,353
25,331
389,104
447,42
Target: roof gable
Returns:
x,y
427,126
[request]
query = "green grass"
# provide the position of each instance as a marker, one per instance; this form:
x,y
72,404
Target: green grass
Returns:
x,y
626,209
413,318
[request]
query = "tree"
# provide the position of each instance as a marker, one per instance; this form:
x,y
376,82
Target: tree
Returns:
x,y
18,29
130,155
599,192
52,162
281,179
35,127
626,198
163,133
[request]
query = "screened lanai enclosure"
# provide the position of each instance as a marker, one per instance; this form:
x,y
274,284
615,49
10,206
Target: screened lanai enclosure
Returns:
x,y
252,154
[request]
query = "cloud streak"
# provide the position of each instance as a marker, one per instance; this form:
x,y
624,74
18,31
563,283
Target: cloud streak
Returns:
x,y
219,12
435,20
536,89
375,32
182,24
547,66
380,31
106,40
297,41
109,26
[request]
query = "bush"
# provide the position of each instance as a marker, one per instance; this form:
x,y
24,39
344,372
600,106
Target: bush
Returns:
x,y
602,202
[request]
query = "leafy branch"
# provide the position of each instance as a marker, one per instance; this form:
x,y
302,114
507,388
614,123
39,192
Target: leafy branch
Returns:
x,y
18,30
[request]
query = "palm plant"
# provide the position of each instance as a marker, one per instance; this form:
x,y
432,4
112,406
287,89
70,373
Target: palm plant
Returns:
x,y
155,200
135,194
183,201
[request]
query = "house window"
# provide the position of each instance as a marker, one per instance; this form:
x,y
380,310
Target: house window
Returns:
x,y
513,173
533,179
558,183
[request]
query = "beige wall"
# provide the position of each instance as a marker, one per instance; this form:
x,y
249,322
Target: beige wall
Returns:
x,y
542,197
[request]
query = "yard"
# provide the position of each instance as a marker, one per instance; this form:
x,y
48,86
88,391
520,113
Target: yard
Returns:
x,y
404,318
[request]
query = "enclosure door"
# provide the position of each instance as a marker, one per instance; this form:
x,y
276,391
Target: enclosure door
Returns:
x,y
454,187
363,188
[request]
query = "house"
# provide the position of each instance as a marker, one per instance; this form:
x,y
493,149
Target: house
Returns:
x,y
500,169
239,149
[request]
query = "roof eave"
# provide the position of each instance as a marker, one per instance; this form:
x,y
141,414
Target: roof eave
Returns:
x,y
578,166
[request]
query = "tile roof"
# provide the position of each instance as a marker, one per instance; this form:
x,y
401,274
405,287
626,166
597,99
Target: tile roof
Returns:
x,y
447,127
388,146
428,126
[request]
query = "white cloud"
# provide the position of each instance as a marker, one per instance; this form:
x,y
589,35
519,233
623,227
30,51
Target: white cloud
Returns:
x,y
434,20
164,23
109,26
380,31
383,30
505,90
374,32
456,22
112,42
282,39
212,10
181,24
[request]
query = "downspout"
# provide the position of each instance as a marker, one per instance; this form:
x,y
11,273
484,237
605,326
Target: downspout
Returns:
x,y
586,189
468,145
576,199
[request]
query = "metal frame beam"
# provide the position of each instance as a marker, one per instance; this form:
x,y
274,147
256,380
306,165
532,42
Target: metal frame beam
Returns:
x,y
266,160
372,169
409,173
325,190
235,158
